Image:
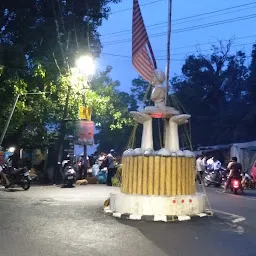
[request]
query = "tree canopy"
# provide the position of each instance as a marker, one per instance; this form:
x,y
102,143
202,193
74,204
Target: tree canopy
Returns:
x,y
39,42
219,92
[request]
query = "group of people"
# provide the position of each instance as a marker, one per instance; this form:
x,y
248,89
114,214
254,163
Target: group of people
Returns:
x,y
108,161
203,163
234,168
105,161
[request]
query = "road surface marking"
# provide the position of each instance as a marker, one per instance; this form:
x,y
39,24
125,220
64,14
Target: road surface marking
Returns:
x,y
239,230
236,229
234,221
239,196
238,220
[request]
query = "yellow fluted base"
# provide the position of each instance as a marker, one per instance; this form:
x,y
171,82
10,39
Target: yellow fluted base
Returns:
x,y
157,175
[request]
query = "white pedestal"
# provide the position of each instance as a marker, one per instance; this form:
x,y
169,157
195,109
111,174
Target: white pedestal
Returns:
x,y
158,205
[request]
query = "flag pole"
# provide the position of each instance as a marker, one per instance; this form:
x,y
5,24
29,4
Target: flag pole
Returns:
x,y
168,48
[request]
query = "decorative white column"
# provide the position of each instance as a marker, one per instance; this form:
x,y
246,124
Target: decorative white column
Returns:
x,y
172,141
147,135
167,136
173,136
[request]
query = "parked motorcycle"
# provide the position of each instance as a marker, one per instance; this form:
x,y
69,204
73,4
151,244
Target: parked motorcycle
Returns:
x,y
216,178
69,174
18,177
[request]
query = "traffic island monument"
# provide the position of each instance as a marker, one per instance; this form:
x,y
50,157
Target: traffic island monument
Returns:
x,y
158,185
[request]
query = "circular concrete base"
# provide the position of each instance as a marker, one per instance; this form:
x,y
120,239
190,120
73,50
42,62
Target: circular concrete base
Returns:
x,y
141,205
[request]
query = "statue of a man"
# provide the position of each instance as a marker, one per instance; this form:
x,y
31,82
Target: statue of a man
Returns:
x,y
158,93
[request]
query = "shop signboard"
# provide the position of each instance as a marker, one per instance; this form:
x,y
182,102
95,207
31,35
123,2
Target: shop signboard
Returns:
x,y
85,132
84,113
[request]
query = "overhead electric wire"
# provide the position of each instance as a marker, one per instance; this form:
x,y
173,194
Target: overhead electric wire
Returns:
x,y
127,9
187,28
209,43
163,24
192,45
184,53
126,57
130,57
188,17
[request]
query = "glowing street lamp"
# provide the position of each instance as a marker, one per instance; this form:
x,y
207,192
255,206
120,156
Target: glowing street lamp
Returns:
x,y
86,65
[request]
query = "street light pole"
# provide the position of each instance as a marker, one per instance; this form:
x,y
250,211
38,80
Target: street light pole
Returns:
x,y
9,120
86,164
84,100
62,134
86,67
11,114
63,125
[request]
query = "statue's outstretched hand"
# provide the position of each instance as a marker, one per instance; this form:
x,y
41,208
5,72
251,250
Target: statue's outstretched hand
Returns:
x,y
140,117
180,119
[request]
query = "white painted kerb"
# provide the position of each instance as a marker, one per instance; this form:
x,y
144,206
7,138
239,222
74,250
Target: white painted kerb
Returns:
x,y
157,205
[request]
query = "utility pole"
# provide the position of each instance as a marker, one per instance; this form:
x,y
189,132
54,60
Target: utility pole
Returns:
x,y
168,48
169,32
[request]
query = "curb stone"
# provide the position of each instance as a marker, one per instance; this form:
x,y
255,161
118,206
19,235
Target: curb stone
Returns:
x,y
157,218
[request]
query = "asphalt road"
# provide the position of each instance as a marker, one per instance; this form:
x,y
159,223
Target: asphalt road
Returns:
x,y
53,221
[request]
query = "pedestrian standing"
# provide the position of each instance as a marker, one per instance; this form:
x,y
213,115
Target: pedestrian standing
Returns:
x,y
101,160
204,163
199,169
110,162
216,167
210,164
216,164
84,165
